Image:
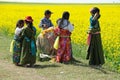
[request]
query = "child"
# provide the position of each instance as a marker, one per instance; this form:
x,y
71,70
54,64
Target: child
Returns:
x,y
46,22
95,51
45,43
17,43
64,31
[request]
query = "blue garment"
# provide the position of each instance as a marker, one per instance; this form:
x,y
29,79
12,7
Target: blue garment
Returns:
x,y
15,37
92,22
33,48
16,49
45,21
94,25
32,43
34,30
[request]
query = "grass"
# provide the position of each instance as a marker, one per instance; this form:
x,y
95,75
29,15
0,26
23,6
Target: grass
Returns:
x,y
4,47
51,71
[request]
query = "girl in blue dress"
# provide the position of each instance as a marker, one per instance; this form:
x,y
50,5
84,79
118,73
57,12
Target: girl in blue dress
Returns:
x,y
17,43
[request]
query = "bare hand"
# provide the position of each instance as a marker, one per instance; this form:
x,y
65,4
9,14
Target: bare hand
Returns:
x,y
96,14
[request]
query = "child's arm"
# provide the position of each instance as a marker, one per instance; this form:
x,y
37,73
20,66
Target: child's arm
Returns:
x,y
96,16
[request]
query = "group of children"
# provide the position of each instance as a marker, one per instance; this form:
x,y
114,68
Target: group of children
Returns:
x,y
24,45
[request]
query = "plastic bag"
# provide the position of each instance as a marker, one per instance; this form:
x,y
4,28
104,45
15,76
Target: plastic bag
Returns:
x,y
12,46
56,43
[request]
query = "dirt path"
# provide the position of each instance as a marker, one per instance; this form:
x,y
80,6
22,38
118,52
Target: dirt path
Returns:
x,y
8,71
12,72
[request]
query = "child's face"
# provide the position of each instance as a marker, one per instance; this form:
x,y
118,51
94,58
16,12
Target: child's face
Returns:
x,y
21,25
48,16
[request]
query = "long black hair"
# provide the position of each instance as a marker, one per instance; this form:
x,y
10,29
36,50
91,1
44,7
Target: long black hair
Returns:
x,y
94,10
65,15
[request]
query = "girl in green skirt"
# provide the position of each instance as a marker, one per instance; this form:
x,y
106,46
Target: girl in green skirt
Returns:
x,y
28,51
95,51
